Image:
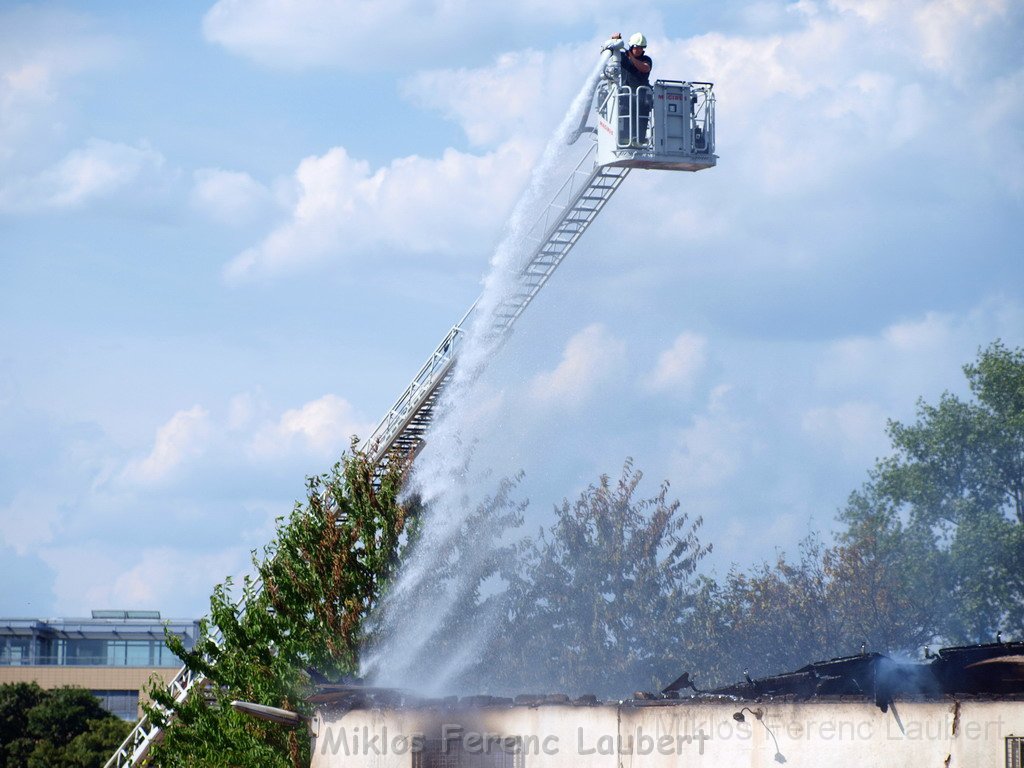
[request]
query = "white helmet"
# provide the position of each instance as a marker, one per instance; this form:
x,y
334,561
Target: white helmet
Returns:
x,y
638,40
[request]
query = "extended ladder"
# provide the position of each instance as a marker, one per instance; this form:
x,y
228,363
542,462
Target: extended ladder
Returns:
x,y
401,432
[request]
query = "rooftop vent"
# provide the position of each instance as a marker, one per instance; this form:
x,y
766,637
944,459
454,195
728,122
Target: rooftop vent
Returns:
x,y
148,615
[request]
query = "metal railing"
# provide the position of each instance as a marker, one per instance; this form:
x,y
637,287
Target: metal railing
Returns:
x,y
639,106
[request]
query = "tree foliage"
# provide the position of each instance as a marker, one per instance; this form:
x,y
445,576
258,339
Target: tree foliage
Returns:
x,y
959,470
930,549
322,574
879,587
598,601
64,726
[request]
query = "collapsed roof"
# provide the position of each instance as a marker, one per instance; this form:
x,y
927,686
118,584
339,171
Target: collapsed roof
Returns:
x,y
993,669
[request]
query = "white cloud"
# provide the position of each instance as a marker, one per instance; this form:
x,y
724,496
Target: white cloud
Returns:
x,y
589,358
679,365
915,357
171,580
385,34
520,95
453,204
711,450
998,118
944,28
98,170
40,50
243,408
247,436
853,430
185,436
31,519
818,108
321,427
230,197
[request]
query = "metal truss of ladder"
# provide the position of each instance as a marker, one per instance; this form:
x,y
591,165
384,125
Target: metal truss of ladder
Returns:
x,y
401,433
571,211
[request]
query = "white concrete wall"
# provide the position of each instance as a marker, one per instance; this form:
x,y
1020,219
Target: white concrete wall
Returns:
x,y
814,734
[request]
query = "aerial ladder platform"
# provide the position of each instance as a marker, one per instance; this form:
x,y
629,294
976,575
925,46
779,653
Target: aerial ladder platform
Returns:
x,y
667,126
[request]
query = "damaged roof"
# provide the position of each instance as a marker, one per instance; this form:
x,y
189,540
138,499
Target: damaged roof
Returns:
x,y
993,670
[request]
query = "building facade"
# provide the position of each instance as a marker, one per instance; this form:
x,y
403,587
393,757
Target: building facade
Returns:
x,y
834,732
111,653
962,707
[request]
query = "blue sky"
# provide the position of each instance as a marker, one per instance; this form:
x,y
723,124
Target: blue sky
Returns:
x,y
230,233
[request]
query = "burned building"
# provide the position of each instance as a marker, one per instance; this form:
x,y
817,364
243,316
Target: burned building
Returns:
x,y
960,707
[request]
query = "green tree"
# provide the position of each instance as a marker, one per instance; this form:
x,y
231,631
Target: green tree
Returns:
x,y
60,727
932,547
959,470
16,701
888,579
93,747
879,587
63,714
773,617
599,601
322,574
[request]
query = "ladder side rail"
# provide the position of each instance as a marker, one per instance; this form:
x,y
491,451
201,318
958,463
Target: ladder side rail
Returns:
x,y
419,389
554,249
542,224
381,448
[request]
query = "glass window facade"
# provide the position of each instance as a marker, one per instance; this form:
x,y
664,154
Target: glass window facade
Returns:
x,y
124,704
99,642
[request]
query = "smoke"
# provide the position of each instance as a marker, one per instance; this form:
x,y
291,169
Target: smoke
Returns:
x,y
439,582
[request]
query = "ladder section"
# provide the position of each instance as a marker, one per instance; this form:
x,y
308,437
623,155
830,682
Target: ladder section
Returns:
x,y
401,432
558,228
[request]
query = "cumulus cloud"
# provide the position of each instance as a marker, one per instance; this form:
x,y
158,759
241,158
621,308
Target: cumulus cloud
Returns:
x,y
906,358
195,439
40,50
520,95
590,357
859,382
679,365
98,170
944,28
321,427
185,436
821,108
230,197
711,450
31,519
398,32
999,117
93,575
343,208
854,430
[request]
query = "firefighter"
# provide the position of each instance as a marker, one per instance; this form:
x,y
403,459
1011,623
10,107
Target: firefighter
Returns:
x,y
634,72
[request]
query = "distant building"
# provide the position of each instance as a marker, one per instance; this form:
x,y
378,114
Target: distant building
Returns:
x,y
112,653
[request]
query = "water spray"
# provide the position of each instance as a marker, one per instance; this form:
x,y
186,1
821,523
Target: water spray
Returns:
x,y
407,625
